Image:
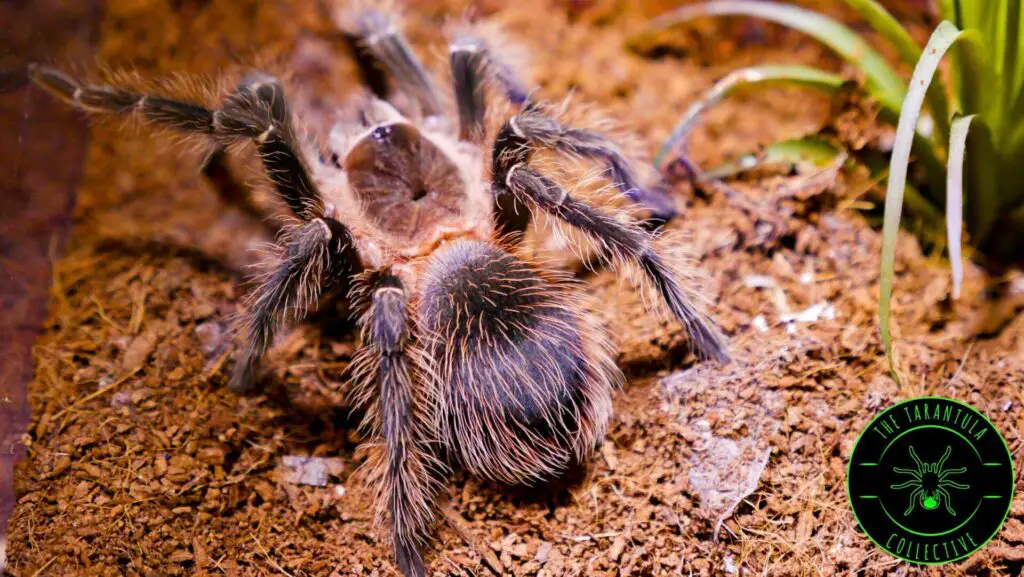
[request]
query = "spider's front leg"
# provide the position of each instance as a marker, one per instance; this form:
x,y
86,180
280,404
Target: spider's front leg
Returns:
x,y
468,60
474,66
410,475
535,130
626,242
378,35
319,252
475,63
255,110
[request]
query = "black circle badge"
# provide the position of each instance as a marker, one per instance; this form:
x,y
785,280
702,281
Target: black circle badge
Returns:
x,y
930,480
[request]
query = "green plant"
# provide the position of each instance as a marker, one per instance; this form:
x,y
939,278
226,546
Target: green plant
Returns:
x,y
979,147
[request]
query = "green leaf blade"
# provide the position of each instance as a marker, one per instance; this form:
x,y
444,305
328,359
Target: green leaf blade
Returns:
x,y
808,153
944,36
885,24
803,76
909,52
955,198
1011,48
883,82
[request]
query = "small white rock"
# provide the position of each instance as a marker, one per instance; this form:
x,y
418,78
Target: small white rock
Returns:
x,y
758,281
730,565
760,324
313,471
811,314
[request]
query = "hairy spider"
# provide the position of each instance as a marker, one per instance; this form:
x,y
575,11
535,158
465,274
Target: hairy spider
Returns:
x,y
931,483
472,356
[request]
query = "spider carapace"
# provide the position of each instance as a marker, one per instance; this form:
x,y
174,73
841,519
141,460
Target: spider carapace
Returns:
x,y
409,186
472,354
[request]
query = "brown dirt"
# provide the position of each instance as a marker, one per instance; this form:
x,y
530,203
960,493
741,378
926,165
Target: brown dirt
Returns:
x,y
141,463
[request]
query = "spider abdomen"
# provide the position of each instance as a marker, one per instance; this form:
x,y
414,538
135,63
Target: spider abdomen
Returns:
x,y
522,375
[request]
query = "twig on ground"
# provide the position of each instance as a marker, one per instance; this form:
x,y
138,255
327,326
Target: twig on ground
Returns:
x,y
95,394
585,538
266,555
463,530
40,570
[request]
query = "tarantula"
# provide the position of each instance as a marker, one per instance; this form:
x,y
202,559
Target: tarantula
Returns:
x,y
472,356
931,483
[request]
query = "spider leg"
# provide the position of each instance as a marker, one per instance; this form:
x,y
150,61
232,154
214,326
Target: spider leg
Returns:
x,y
374,76
468,62
410,473
256,110
534,129
495,68
511,214
318,253
378,33
185,116
954,484
913,472
949,472
905,484
945,456
474,65
218,172
625,241
920,465
946,500
913,501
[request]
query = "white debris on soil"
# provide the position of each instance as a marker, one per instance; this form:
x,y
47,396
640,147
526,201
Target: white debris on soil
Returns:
x,y
759,281
213,339
727,472
730,565
760,324
811,314
727,460
767,283
315,471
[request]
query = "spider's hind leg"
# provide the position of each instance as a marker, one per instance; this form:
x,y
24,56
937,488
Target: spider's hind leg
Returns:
x,y
410,475
523,375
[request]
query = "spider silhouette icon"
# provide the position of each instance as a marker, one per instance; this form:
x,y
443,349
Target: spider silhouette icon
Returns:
x,y
930,482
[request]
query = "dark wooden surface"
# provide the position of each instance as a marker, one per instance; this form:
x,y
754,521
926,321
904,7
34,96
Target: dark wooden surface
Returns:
x,y
42,151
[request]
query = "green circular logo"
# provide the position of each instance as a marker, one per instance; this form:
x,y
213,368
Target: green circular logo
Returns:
x,y
930,480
